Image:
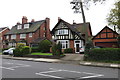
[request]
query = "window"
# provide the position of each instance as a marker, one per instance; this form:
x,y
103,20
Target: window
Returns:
x,y
44,35
19,26
30,34
64,43
22,35
26,26
13,36
12,44
7,37
62,32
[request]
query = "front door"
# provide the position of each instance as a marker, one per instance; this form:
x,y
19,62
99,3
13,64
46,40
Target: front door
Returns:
x,y
77,48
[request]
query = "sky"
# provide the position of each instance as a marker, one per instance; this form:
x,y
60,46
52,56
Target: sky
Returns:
x,y
12,12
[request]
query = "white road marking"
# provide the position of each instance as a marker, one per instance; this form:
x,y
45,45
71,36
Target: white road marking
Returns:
x,y
12,68
50,71
58,70
48,75
6,68
91,76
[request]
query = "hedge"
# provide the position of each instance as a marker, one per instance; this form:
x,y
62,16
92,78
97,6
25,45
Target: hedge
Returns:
x,y
103,54
68,50
34,49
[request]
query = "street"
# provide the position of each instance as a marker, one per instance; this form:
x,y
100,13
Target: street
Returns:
x,y
29,69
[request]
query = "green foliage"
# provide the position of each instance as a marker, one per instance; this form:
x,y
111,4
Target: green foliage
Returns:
x,y
26,50
5,49
114,16
68,50
89,45
44,46
34,49
21,50
103,54
56,49
118,41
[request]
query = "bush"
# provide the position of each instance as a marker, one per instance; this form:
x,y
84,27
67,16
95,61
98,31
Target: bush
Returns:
x,y
68,50
17,53
26,50
21,50
34,49
102,54
56,49
44,46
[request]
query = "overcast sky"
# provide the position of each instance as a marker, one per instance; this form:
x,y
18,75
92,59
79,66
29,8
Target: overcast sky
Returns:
x,y
13,10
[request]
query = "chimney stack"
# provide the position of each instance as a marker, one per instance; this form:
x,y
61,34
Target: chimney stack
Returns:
x,y
32,20
74,22
18,23
59,19
24,20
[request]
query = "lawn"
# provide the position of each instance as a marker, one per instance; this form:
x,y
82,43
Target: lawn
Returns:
x,y
48,54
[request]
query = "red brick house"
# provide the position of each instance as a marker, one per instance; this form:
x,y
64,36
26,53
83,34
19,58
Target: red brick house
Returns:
x,y
70,35
106,38
29,33
3,30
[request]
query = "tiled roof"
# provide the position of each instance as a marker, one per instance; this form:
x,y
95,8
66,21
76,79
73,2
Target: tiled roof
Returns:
x,y
2,28
32,28
76,28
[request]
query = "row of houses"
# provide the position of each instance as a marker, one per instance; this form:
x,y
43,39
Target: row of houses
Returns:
x,y
69,35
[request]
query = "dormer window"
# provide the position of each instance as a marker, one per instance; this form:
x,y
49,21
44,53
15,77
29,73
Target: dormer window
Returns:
x,y
19,26
26,26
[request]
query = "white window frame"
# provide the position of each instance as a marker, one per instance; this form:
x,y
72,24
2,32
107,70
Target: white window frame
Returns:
x,y
13,36
19,26
30,34
22,36
64,44
26,26
62,32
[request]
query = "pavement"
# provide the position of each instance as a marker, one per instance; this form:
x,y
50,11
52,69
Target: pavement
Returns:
x,y
69,58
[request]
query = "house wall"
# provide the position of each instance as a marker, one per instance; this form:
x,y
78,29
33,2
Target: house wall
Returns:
x,y
39,33
2,36
106,38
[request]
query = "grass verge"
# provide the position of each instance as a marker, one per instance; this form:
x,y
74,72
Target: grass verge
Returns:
x,y
47,54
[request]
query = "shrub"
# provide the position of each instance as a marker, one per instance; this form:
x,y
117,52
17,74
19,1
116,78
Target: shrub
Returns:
x,y
26,50
21,50
56,49
34,49
102,54
44,46
17,53
68,50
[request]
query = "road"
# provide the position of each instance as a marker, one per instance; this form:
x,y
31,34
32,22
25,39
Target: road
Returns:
x,y
54,71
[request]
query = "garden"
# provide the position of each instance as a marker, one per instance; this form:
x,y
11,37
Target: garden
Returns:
x,y
42,51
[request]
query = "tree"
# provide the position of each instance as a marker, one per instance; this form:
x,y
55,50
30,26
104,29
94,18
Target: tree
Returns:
x,y
77,5
114,16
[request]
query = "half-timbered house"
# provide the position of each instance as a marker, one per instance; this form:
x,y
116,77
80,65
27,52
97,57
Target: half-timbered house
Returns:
x,y
70,35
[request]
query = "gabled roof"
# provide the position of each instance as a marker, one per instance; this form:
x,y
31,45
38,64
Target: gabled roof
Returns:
x,y
32,28
76,28
103,29
1,29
